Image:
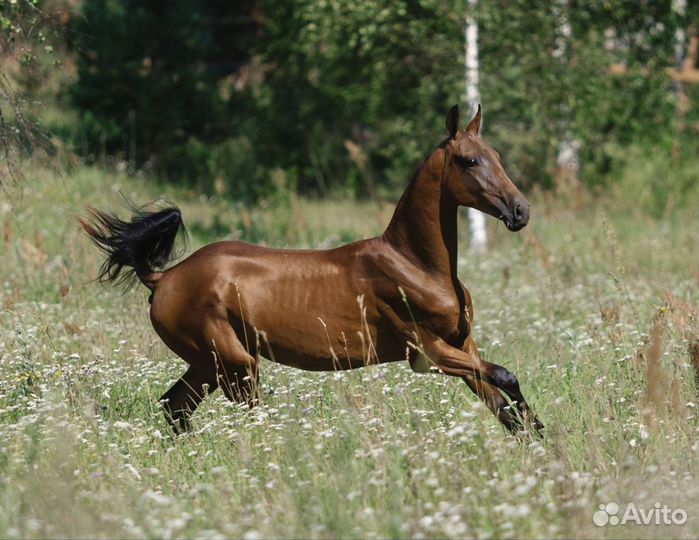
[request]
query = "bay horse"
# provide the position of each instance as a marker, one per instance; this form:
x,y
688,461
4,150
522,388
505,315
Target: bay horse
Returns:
x,y
385,299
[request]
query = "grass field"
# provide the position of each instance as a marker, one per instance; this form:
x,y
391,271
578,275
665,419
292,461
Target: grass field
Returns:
x,y
592,306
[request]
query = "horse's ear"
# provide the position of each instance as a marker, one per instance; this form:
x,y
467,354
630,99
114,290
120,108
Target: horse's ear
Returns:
x,y
474,126
453,121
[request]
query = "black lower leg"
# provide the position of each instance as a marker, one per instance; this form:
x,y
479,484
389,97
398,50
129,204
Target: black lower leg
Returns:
x,y
496,403
182,399
508,383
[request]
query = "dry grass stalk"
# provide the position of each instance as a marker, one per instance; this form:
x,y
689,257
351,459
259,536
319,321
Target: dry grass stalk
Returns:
x,y
657,381
610,313
683,314
7,232
676,405
539,249
694,357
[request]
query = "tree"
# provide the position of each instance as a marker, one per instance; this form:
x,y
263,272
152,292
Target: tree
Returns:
x,y
24,29
143,87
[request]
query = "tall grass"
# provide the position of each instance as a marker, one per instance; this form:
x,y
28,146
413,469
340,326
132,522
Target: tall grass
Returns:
x,y
593,308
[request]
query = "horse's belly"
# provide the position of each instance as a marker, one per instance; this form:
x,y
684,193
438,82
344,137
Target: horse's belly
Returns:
x,y
329,346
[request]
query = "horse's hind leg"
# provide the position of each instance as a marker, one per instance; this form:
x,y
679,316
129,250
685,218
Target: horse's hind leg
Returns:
x,y
216,358
237,370
182,399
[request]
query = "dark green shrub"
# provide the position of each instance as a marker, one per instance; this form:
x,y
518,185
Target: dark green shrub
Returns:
x,y
143,89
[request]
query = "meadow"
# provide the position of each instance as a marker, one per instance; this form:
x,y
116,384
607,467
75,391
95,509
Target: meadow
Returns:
x,y
592,305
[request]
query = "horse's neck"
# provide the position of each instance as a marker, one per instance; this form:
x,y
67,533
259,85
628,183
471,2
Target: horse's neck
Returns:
x,y
424,222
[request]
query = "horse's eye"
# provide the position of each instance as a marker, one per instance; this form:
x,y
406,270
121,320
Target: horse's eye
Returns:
x,y
466,163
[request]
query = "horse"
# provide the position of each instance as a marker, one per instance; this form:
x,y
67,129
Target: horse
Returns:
x,y
390,298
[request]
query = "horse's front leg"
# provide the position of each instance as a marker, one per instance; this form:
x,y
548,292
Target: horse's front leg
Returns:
x,y
490,395
486,380
513,416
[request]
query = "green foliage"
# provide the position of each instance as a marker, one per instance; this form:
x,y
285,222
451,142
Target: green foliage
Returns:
x,y
143,90
25,38
659,185
540,87
348,97
231,163
379,75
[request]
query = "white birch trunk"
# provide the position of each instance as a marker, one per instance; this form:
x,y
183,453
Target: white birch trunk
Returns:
x,y
476,219
680,7
567,158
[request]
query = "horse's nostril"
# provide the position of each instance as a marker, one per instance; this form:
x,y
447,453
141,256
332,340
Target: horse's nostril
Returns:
x,y
518,211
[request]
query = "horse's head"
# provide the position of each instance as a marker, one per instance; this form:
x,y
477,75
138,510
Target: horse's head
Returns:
x,y
474,177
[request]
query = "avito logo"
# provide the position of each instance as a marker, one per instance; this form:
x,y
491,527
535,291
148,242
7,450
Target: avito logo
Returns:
x,y
610,514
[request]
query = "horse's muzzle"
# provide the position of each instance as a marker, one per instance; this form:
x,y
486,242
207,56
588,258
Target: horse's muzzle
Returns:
x,y
517,215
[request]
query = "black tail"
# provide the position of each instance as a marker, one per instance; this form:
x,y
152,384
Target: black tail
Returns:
x,y
135,248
